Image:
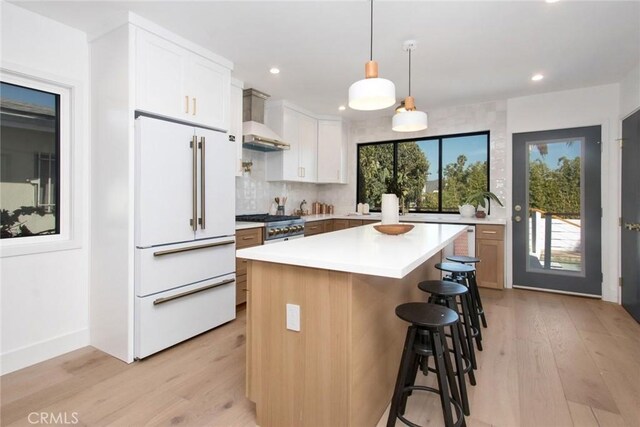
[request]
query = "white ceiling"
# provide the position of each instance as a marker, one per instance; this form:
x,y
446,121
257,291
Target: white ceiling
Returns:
x,y
467,51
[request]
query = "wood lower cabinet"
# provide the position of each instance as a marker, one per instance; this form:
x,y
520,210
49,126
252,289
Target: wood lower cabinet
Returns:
x,y
340,224
245,239
315,227
490,250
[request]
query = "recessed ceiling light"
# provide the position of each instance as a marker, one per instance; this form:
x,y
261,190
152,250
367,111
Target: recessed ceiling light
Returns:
x,y
274,70
342,108
537,77
551,1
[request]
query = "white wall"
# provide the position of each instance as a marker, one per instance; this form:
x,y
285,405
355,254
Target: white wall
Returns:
x,y
490,116
599,105
630,92
44,296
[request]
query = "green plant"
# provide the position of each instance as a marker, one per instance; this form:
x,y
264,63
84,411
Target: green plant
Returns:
x,y
480,198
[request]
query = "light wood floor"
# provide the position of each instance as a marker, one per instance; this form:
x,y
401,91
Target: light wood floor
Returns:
x,y
549,360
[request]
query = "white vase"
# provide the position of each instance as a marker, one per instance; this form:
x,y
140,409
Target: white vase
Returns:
x,y
467,211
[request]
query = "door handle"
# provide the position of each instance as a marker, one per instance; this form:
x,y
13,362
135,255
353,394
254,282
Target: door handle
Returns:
x,y
203,209
517,218
632,226
517,208
194,184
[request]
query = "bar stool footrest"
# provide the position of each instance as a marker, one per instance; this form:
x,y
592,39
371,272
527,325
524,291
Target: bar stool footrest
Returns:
x,y
456,406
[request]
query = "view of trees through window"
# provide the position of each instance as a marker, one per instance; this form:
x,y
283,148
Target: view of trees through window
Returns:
x,y
431,174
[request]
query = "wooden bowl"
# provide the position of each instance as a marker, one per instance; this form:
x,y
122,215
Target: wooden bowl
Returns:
x,y
393,229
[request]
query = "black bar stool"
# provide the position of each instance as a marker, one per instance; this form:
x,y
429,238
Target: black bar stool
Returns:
x,y
472,281
460,273
425,338
445,293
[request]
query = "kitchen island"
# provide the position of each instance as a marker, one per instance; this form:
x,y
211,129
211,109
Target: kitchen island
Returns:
x,y
339,369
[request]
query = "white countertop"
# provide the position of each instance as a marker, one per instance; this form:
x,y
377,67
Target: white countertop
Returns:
x,y
360,250
414,217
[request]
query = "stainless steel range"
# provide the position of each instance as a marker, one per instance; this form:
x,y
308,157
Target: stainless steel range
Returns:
x,y
277,228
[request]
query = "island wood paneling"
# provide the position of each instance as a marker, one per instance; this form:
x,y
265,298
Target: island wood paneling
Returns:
x,y
339,370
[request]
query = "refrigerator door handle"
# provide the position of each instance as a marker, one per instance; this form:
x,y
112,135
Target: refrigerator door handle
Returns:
x,y
202,183
194,184
195,291
193,248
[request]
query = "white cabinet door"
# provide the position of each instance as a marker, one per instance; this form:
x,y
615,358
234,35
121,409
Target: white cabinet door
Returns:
x,y
160,68
164,182
235,123
216,180
332,152
175,82
308,140
208,88
291,134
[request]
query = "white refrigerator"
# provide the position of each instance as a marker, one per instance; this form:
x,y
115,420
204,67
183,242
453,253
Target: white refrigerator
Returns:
x,y
184,233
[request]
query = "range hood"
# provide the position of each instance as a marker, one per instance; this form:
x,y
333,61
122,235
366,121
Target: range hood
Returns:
x,y
255,134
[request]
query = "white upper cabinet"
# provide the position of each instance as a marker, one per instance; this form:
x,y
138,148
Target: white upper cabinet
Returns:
x,y
175,82
300,131
332,152
308,138
235,121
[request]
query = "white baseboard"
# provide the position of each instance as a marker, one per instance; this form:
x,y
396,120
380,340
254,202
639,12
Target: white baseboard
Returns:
x,y
43,350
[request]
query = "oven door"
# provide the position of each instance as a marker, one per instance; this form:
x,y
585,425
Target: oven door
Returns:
x,y
283,239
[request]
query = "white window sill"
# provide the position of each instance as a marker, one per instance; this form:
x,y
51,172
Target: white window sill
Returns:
x,y
36,245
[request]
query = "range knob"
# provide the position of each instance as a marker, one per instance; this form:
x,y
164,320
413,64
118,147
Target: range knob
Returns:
x,y
272,232
299,227
278,230
285,230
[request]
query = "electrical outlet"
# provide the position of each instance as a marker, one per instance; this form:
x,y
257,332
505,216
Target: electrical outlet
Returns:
x,y
293,317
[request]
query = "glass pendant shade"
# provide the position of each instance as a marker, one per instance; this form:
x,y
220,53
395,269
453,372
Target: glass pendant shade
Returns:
x,y
409,121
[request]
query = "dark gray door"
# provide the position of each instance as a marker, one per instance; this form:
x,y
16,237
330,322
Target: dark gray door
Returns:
x,y
630,234
556,210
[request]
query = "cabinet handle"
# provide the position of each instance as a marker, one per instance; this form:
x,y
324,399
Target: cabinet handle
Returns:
x,y
489,232
194,105
186,104
193,248
244,261
203,198
313,228
303,172
194,184
248,238
194,291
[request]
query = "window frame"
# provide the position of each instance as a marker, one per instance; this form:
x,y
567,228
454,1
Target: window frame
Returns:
x,y
439,138
68,210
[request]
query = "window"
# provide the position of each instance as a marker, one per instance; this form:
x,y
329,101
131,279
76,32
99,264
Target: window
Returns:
x,y
30,149
435,175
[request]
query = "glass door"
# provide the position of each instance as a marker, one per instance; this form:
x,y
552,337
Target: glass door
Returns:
x,y
556,210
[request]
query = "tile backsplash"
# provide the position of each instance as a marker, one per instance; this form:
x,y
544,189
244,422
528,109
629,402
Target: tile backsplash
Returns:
x,y
254,194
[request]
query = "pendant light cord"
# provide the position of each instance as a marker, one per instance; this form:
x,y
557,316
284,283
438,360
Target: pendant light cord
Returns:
x,y
371,31
409,72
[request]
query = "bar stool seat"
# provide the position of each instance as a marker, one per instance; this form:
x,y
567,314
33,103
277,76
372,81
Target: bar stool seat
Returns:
x,y
442,287
463,259
455,267
432,317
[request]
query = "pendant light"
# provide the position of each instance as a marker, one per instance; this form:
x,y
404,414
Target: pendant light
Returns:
x,y
372,93
409,120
